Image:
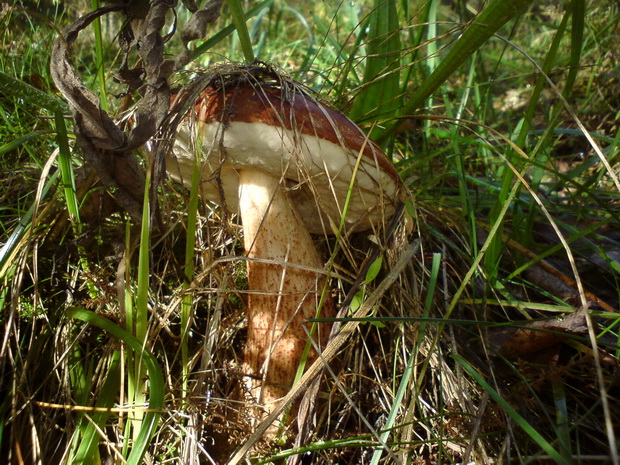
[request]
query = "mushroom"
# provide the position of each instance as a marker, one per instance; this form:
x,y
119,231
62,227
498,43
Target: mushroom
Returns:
x,y
286,163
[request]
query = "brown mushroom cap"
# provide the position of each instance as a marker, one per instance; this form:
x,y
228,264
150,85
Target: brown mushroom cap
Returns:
x,y
284,131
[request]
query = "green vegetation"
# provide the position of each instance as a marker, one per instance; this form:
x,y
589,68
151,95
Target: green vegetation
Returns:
x,y
497,342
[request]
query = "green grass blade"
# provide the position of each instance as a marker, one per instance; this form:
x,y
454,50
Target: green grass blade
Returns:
x,y
137,314
16,88
22,140
346,76
415,39
539,152
9,248
404,381
69,189
100,59
345,209
576,46
236,11
487,23
87,452
144,272
379,97
228,30
66,169
19,89
512,413
156,379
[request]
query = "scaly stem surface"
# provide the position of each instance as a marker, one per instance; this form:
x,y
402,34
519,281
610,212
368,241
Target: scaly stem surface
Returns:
x,y
283,293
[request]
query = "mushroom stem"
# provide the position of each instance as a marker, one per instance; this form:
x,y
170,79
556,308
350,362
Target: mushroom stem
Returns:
x,y
283,293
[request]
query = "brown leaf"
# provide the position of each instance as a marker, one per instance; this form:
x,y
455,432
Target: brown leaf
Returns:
x,y
105,145
538,335
195,29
